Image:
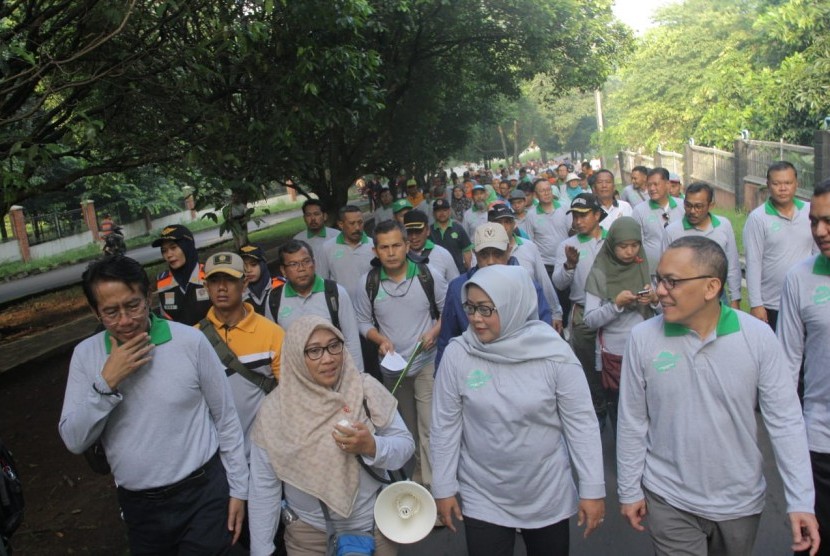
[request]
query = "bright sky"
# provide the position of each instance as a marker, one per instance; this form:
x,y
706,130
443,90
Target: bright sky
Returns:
x,y
637,13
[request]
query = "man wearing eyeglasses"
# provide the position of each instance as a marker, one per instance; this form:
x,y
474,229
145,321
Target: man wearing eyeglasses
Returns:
x,y
252,339
307,293
688,457
156,395
699,221
654,216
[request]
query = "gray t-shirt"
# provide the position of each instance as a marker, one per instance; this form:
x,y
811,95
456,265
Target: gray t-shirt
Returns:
x,y
345,263
548,230
653,218
687,429
633,196
527,255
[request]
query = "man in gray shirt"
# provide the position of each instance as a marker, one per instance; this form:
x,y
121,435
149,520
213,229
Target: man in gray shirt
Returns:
x,y
635,192
348,255
384,209
776,237
654,215
155,393
574,260
687,439
804,329
698,220
316,232
398,319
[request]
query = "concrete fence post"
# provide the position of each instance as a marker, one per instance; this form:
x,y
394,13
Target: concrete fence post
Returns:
x,y
18,222
821,160
741,150
658,159
688,163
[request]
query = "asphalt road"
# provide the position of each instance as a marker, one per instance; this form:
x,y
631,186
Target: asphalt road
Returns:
x,y
69,275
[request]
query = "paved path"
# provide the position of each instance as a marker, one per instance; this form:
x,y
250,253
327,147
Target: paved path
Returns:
x,y
69,275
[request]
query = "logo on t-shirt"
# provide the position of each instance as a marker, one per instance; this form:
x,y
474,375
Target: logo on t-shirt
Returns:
x,y
285,312
477,379
775,227
454,235
821,295
665,361
339,252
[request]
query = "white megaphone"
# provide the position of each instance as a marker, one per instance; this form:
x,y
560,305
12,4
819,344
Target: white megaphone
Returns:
x,y
405,512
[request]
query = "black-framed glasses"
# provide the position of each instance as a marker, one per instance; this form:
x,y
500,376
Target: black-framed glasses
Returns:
x,y
665,219
483,310
134,310
671,283
294,265
315,353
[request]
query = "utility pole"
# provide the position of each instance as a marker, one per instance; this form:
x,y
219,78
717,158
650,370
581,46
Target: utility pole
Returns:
x,y
600,126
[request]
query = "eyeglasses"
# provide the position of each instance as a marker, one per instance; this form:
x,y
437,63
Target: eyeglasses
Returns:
x,y
665,219
315,353
133,310
671,283
483,310
697,207
294,265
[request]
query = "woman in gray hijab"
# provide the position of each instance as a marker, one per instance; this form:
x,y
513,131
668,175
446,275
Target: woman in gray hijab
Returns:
x,y
511,410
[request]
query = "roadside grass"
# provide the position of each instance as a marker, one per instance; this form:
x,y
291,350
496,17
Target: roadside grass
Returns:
x,y
738,219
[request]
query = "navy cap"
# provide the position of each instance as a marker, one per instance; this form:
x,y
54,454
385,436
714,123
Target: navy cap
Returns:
x,y
439,204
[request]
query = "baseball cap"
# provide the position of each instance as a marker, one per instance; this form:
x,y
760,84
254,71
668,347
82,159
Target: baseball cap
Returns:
x,y
252,251
401,204
176,232
585,202
491,234
410,182
479,186
674,177
571,177
439,204
225,263
517,194
415,220
499,211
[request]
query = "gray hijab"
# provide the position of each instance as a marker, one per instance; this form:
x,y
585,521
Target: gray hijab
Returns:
x,y
522,336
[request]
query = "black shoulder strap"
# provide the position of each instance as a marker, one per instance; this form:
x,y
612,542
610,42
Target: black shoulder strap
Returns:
x,y
401,472
274,299
231,361
428,284
372,287
332,301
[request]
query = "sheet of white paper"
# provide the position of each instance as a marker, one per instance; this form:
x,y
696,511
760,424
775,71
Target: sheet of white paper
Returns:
x,y
393,362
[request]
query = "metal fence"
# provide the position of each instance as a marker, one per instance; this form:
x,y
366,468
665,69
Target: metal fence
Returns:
x,y
43,227
760,154
714,166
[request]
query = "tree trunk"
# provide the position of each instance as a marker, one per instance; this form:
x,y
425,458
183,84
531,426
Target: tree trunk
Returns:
x,y
515,141
503,144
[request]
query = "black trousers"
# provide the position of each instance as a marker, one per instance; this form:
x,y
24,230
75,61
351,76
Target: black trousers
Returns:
x,y
488,539
821,481
189,517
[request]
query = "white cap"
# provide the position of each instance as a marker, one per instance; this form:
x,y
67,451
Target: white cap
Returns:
x,y
491,234
571,177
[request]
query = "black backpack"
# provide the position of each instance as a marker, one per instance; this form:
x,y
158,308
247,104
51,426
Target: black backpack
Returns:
x,y
332,302
424,277
11,496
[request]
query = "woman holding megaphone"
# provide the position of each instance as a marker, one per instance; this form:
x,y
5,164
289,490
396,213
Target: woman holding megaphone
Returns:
x,y
308,436
511,411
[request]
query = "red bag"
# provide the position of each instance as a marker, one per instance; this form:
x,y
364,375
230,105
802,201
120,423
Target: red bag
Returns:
x,y
611,367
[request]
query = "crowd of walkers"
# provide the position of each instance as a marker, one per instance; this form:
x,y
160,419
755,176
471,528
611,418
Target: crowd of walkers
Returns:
x,y
484,337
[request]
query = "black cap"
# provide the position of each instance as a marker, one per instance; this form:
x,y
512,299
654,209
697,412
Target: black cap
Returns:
x,y
586,202
415,220
176,232
252,251
499,211
438,204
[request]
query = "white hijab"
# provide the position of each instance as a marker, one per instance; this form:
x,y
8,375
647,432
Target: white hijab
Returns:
x,y
522,337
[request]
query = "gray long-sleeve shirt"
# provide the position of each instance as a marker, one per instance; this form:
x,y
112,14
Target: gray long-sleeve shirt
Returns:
x,y
577,277
394,447
527,255
773,244
502,436
653,218
687,428
804,331
616,324
169,417
548,230
720,231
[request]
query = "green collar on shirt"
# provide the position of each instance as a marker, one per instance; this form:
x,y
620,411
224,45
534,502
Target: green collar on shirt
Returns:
x,y
688,226
519,240
821,266
770,209
159,333
540,210
321,233
341,239
728,323
585,238
655,206
428,244
317,287
411,271
437,226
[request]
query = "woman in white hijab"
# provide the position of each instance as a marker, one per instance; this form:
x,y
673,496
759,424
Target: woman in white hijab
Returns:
x,y
301,448
510,404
